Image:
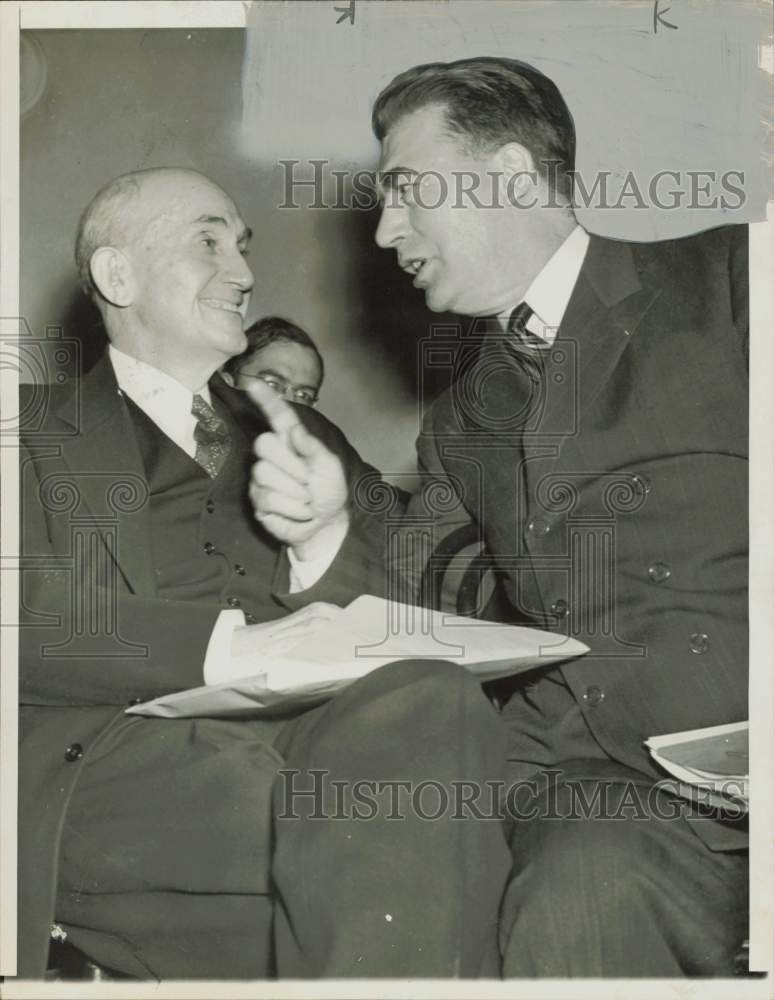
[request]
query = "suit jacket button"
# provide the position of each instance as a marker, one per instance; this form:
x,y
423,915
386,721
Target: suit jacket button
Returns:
x,y
233,602
593,696
209,548
559,608
250,618
659,572
73,752
240,569
699,642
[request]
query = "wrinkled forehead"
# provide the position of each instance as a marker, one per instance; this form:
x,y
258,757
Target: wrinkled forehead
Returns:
x,y
169,204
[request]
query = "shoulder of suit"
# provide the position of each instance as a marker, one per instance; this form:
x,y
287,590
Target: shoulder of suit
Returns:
x,y
716,243
39,405
707,255
326,431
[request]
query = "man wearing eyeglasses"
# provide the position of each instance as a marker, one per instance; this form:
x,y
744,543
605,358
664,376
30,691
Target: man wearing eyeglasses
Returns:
x,y
283,356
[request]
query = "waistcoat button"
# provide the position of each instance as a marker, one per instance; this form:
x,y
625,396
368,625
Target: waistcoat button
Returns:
x,y
73,752
593,696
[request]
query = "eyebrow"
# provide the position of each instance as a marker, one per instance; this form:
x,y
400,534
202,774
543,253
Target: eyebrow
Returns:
x,y
387,180
245,235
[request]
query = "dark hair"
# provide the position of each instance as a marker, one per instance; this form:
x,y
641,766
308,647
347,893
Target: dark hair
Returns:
x,y
267,331
489,101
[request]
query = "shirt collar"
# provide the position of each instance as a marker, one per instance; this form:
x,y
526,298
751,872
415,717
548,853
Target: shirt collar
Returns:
x,y
161,397
550,291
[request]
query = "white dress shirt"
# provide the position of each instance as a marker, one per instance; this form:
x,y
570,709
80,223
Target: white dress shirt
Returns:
x,y
162,398
550,291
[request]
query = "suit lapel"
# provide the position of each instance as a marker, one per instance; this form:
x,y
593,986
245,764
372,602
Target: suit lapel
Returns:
x,y
105,465
478,434
601,320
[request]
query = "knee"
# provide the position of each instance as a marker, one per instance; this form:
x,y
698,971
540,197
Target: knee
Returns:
x,y
415,710
436,679
437,692
570,860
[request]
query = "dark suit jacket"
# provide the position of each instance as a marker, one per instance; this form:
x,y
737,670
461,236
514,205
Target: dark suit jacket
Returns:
x,y
611,490
81,463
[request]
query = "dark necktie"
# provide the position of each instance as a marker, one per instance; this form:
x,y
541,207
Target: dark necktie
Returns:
x,y
528,346
213,441
517,325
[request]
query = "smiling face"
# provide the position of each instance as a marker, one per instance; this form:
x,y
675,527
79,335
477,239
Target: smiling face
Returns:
x,y
191,283
465,258
287,366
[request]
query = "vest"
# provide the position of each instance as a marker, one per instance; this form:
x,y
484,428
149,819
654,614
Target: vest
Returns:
x,y
207,546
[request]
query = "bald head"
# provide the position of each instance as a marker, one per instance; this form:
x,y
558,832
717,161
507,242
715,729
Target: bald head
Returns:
x,y
162,253
120,213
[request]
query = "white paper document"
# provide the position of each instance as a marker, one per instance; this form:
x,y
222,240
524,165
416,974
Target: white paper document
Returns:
x,y
369,633
716,758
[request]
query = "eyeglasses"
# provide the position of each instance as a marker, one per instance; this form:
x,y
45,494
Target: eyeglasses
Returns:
x,y
295,394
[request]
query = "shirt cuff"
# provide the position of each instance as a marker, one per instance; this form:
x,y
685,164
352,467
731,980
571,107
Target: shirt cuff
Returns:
x,y
218,655
305,573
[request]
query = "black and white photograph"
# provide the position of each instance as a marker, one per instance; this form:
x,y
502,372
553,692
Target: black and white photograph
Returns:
x,y
387,434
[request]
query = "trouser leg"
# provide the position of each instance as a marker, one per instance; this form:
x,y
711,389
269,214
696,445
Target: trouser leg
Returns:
x,y
165,853
366,886
629,890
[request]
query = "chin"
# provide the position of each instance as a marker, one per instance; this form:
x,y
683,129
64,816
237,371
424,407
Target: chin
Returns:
x,y
436,302
236,343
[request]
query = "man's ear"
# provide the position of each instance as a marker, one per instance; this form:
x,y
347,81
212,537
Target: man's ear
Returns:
x,y
111,272
516,166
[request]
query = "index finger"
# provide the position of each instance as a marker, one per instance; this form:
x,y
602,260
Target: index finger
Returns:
x,y
281,415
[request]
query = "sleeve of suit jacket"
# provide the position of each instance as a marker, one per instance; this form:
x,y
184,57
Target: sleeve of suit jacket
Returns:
x,y
162,643
392,536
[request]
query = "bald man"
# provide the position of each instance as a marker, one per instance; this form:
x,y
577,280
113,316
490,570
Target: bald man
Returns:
x,y
147,843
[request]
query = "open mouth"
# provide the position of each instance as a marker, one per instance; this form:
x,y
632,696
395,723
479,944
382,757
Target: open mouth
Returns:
x,y
414,266
223,305
417,268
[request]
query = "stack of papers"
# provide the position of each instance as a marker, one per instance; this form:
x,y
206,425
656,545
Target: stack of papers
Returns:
x,y
716,758
369,633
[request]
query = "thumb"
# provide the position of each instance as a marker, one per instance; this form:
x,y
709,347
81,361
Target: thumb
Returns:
x,y
280,414
305,444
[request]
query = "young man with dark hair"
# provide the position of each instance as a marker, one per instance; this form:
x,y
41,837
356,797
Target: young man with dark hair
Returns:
x,y
599,446
283,356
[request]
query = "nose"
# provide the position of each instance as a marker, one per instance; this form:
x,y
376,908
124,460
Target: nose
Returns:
x,y
239,272
392,225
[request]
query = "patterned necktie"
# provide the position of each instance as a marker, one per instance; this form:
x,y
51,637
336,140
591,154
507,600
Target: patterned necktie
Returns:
x,y
213,441
517,325
528,346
